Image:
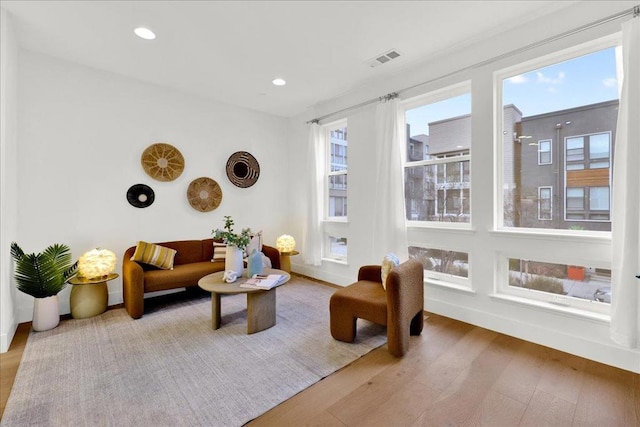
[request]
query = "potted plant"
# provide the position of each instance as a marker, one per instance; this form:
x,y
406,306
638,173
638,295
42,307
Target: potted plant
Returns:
x,y
43,276
236,243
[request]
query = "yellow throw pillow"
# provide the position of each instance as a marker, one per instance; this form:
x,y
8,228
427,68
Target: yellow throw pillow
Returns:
x,y
155,255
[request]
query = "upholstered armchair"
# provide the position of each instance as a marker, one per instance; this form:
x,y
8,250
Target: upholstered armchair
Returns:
x,y
399,308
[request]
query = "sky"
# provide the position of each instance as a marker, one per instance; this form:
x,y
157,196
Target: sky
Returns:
x,y
580,81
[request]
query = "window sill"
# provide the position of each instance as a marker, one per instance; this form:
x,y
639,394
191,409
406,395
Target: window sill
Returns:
x,y
335,261
553,308
448,226
336,220
546,234
448,285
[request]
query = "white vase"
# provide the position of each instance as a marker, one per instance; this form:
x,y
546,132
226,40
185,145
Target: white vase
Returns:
x,y
234,260
46,314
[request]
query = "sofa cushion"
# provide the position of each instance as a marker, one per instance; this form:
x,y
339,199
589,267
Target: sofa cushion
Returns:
x,y
188,251
181,275
155,255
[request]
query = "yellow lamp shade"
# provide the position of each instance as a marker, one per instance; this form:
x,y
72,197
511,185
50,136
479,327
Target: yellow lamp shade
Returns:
x,y
286,243
96,263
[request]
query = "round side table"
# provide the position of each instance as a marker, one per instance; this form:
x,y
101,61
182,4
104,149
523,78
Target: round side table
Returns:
x,y
285,260
89,297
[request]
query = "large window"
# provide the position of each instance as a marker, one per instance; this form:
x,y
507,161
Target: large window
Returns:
x,y
437,170
582,286
337,171
558,119
335,206
574,101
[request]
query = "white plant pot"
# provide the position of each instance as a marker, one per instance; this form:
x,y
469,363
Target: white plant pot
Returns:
x,y
46,314
233,260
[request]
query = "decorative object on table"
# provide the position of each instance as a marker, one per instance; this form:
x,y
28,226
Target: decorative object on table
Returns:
x,y
230,276
204,194
43,276
163,162
140,196
285,243
236,243
254,263
243,169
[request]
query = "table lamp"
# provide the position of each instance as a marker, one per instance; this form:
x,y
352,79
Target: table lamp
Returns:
x,y
285,243
96,263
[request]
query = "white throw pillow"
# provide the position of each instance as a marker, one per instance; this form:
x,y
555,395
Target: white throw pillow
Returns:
x,y
388,263
219,251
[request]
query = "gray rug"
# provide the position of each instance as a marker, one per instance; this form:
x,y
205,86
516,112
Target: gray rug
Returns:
x,y
170,368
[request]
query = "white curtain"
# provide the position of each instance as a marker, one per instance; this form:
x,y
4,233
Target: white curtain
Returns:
x,y
312,232
390,232
625,301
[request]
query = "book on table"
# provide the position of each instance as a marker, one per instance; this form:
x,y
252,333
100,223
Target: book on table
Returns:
x,y
259,281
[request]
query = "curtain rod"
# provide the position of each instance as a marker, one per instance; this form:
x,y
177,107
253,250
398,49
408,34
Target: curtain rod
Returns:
x,y
635,11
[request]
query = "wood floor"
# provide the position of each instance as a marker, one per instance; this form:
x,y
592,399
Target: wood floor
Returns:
x,y
455,374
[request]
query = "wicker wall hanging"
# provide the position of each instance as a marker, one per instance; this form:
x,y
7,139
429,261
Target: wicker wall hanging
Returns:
x,y
163,162
243,169
204,194
140,196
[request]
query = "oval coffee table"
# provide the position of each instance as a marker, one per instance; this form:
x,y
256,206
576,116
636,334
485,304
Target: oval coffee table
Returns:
x,y
261,303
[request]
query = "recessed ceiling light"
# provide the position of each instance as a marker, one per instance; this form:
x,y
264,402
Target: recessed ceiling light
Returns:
x,y
279,82
144,33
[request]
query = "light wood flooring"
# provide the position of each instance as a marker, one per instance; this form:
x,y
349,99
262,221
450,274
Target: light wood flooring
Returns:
x,y
455,374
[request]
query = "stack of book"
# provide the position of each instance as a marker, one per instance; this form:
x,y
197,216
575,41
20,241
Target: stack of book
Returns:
x,y
259,281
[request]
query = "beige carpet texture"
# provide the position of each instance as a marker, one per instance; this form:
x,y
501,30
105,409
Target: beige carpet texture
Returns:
x,y
170,368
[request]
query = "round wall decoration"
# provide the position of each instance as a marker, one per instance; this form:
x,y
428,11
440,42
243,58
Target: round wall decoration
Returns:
x,y
204,194
163,162
140,196
243,169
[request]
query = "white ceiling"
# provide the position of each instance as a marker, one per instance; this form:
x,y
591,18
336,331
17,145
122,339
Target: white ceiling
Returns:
x,y
230,51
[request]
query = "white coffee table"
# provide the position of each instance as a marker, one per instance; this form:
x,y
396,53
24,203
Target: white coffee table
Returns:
x,y
261,304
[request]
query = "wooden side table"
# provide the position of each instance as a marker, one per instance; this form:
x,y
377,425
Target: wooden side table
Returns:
x,y
285,260
89,297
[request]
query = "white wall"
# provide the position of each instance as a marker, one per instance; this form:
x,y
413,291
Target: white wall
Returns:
x,y
82,133
587,337
8,174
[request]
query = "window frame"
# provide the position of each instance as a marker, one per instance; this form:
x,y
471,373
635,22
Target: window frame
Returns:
x,y
580,247
550,151
540,199
328,129
333,226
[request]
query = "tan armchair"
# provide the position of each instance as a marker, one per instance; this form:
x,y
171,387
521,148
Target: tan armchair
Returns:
x,y
399,308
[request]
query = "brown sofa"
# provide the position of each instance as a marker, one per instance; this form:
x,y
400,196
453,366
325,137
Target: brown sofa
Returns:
x,y
192,262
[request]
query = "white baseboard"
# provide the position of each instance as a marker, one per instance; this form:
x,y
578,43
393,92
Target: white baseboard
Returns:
x,y
6,338
607,353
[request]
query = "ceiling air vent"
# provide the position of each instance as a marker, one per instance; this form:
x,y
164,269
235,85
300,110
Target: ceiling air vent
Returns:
x,y
383,58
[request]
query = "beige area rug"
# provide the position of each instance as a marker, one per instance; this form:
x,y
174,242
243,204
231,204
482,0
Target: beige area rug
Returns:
x,y
169,368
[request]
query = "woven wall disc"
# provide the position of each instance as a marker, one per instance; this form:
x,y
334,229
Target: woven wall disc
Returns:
x,y
243,169
140,196
163,162
204,194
